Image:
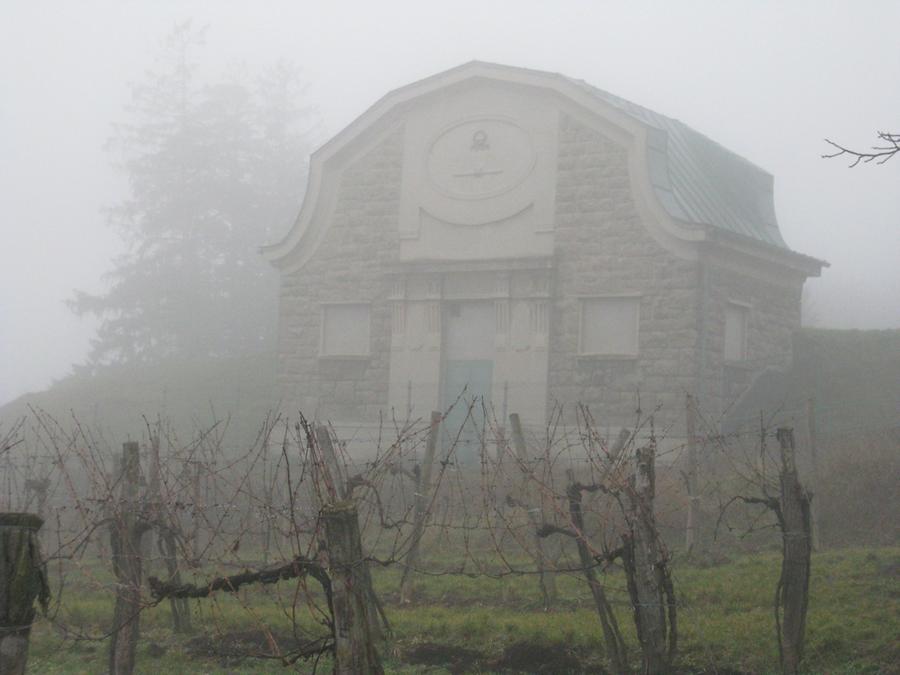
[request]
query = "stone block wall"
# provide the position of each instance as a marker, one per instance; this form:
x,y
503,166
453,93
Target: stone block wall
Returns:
x,y
772,300
601,248
349,265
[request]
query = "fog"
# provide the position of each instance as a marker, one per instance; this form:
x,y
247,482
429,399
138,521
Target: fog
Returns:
x,y
766,80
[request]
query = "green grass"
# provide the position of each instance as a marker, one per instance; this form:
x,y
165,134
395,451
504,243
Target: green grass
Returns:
x,y
725,619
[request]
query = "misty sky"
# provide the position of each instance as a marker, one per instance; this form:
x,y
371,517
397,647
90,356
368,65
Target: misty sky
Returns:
x,y
769,80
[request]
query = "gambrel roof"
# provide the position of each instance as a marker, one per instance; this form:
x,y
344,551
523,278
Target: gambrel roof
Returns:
x,y
699,181
705,192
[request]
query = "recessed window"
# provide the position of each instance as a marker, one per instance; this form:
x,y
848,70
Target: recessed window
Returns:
x,y
609,326
735,332
345,330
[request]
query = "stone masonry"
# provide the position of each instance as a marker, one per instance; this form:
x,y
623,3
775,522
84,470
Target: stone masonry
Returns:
x,y
603,248
348,266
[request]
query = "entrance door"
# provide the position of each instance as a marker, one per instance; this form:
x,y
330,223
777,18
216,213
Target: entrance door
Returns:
x,y
469,335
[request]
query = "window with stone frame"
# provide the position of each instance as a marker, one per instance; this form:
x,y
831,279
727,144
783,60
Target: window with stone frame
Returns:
x,y
609,326
735,347
345,330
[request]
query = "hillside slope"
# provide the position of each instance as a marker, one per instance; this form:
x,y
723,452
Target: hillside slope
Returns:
x,y
188,395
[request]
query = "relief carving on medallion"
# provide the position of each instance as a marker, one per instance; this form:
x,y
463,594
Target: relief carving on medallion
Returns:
x,y
480,158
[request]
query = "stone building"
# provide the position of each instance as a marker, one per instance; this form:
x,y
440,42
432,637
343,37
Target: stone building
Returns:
x,y
527,238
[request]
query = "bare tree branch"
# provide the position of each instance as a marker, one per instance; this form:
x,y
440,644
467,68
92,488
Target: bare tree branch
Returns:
x,y
878,153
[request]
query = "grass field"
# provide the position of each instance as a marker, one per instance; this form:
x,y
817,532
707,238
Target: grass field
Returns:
x,y
482,624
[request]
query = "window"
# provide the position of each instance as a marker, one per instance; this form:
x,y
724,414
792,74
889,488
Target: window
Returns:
x,y
609,326
345,330
735,332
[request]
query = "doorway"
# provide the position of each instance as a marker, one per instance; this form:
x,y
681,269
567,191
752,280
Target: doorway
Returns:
x,y
469,343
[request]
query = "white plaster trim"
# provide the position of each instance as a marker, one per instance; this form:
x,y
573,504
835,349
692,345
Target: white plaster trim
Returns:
x,y
462,225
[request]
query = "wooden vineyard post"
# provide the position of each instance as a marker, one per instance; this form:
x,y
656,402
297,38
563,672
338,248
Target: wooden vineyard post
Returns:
x,y
339,491
546,578
335,481
422,508
690,530
268,499
165,538
354,649
125,538
649,584
22,581
196,510
793,587
814,460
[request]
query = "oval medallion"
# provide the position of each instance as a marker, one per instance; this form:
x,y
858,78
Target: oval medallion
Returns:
x,y
480,158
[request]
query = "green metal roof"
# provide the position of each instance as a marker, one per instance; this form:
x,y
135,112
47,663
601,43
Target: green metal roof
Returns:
x,y
700,182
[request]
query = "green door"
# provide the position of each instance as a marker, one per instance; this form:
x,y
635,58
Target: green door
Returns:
x,y
469,336
467,387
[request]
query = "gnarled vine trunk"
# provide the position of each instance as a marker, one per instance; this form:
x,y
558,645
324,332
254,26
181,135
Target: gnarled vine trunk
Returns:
x,y
646,568
126,534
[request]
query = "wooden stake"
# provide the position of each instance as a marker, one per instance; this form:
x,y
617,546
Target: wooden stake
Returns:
x,y
793,587
125,538
335,480
646,568
536,516
354,650
422,508
165,537
814,460
338,490
690,530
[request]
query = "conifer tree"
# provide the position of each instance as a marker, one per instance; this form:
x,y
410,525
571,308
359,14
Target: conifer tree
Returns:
x,y
214,171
